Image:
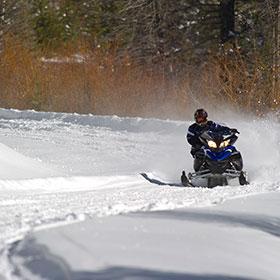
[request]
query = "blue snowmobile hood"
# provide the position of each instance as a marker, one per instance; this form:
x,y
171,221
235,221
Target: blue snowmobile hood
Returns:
x,y
218,156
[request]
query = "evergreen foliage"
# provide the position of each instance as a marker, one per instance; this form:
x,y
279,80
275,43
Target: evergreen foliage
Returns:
x,y
152,30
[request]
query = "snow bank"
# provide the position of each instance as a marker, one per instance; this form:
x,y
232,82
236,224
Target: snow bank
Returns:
x,y
13,165
114,123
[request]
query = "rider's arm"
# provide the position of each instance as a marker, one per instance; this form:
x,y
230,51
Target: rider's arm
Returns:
x,y
192,137
225,129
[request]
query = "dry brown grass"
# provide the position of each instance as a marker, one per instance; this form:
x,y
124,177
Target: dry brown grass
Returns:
x,y
98,85
243,82
102,84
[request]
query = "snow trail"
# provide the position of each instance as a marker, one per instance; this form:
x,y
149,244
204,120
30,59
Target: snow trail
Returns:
x,y
65,168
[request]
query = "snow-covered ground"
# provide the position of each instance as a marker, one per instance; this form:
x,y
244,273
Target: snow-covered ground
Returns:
x,y
91,197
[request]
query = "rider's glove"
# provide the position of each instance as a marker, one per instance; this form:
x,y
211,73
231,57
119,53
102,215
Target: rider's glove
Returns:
x,y
234,130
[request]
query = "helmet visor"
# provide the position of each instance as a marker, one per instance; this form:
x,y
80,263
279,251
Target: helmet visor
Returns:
x,y
201,119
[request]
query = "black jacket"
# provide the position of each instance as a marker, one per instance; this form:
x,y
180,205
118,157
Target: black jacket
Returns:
x,y
195,130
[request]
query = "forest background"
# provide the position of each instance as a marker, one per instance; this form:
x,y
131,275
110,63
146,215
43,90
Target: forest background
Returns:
x,y
148,58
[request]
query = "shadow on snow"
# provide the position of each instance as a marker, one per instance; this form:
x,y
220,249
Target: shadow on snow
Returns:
x,y
268,224
158,182
32,259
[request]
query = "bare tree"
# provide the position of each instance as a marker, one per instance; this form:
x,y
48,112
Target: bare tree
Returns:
x,y
273,12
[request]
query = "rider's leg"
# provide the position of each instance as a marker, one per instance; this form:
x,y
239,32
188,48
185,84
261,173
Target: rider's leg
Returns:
x,y
198,160
237,160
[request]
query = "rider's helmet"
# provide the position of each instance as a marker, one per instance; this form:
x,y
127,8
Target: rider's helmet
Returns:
x,y
200,117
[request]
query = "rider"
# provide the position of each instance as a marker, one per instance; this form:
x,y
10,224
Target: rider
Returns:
x,y
196,129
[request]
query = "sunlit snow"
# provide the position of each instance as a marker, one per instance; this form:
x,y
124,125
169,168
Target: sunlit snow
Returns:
x,y
99,197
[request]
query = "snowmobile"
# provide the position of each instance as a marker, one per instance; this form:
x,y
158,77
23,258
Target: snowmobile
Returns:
x,y
222,164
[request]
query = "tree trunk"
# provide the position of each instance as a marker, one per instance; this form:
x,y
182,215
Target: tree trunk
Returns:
x,y
2,19
276,53
227,20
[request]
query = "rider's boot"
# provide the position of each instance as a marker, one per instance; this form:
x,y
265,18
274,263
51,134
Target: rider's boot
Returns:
x,y
197,164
